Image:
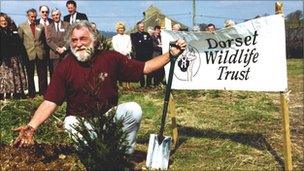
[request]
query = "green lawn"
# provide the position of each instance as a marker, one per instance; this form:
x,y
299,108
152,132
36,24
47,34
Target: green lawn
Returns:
x,y
219,130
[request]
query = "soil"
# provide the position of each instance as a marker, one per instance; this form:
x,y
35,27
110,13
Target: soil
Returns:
x,y
38,157
50,157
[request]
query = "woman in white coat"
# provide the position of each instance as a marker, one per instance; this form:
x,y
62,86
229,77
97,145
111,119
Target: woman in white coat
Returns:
x,y
121,43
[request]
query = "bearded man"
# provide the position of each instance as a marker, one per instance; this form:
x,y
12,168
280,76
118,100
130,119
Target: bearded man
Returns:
x,y
81,67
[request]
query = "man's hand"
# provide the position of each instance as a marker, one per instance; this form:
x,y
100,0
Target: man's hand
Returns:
x,y
178,47
175,49
60,50
26,136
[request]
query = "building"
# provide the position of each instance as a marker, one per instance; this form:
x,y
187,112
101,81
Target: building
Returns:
x,y
153,16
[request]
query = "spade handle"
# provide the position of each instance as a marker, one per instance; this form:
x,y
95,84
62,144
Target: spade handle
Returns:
x,y
167,95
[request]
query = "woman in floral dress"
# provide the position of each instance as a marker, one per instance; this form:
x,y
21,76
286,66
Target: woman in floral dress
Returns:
x,y
12,58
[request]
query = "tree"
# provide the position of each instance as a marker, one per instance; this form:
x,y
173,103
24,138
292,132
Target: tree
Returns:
x,y
295,16
294,34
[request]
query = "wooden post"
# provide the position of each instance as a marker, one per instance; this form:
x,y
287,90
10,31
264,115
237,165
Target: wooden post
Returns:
x,y
284,107
172,112
287,142
279,7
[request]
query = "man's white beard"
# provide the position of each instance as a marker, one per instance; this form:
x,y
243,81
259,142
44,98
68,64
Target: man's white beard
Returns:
x,y
83,53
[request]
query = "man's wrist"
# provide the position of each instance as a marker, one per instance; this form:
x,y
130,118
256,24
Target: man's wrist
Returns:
x,y
170,53
32,126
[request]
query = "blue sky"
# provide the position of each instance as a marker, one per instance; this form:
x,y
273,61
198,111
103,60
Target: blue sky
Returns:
x,y
106,13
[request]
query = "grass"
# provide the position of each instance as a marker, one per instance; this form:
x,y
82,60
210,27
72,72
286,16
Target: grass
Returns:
x,y
219,130
18,112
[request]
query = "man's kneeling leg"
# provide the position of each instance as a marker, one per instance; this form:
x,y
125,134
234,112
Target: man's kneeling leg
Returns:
x,y
129,113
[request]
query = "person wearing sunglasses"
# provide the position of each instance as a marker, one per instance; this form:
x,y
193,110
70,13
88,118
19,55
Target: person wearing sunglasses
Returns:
x,y
45,21
44,16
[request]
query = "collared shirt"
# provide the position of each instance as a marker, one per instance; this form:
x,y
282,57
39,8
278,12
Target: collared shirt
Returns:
x,y
73,18
71,80
57,26
44,22
32,26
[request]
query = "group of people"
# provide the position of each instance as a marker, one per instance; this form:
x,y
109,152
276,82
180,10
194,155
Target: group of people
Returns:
x,y
70,48
143,46
37,45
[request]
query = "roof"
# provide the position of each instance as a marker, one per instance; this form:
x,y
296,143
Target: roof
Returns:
x,y
153,16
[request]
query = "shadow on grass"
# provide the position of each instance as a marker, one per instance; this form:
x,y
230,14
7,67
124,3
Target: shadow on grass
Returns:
x,y
255,140
138,156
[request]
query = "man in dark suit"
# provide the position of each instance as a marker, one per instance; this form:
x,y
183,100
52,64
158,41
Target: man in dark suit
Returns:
x,y
45,21
55,39
74,15
142,46
33,38
159,74
44,16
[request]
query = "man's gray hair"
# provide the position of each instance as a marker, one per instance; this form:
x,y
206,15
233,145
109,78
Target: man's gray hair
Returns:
x,y
56,10
86,24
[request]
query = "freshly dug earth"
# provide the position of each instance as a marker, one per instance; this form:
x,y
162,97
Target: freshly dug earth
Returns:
x,y
51,157
39,157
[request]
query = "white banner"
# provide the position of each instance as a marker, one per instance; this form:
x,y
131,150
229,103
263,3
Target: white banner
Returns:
x,y
249,56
